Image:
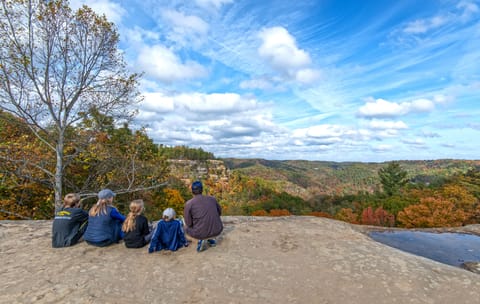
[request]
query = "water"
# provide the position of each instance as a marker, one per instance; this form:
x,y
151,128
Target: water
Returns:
x,y
448,248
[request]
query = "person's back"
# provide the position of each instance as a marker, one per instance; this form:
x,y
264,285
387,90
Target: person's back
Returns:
x,y
104,221
69,223
169,233
202,217
100,227
135,227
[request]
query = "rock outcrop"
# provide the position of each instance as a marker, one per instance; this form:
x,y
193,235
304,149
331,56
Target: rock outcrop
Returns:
x,y
257,260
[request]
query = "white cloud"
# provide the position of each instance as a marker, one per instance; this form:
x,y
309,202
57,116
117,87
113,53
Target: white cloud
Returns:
x,y
442,99
382,108
158,102
258,83
424,25
281,52
186,29
113,11
214,103
162,64
212,3
417,142
386,124
419,105
468,8
217,120
383,148
307,76
320,131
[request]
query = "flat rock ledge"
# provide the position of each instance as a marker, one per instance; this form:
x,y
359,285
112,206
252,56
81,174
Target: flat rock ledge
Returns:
x,y
257,260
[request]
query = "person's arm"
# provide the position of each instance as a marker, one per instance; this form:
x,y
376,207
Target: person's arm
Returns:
x,y
181,235
117,215
219,208
187,217
84,216
154,241
144,229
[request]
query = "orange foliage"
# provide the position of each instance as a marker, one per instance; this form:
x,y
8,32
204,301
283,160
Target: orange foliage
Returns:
x,y
459,196
320,214
174,199
379,217
279,212
432,212
260,212
347,215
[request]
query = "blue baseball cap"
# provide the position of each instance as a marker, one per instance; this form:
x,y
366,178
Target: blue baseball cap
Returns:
x,y
197,186
106,194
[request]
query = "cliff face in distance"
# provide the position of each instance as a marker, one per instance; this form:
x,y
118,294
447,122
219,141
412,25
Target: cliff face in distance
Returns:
x,y
310,178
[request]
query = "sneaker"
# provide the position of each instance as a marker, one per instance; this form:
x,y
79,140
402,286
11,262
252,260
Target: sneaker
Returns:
x,y
201,245
212,242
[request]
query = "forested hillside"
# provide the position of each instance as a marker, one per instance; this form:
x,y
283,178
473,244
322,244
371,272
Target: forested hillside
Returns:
x,y
311,178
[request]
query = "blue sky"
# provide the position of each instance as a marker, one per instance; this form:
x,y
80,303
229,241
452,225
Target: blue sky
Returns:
x,y
313,80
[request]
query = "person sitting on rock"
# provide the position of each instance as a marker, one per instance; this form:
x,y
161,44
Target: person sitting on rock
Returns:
x,y
104,221
202,218
136,229
168,234
69,223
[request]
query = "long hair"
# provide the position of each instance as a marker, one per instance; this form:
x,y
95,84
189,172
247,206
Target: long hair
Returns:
x,y
100,207
71,200
136,208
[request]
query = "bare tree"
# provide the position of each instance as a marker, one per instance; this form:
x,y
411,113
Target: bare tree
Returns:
x,y
55,65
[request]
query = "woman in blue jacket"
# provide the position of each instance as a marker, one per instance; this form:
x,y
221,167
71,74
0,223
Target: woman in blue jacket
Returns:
x,y
104,221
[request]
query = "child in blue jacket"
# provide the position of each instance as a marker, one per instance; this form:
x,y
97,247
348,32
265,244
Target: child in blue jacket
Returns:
x,y
169,233
104,221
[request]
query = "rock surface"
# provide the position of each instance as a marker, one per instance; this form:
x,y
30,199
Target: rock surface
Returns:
x,y
257,260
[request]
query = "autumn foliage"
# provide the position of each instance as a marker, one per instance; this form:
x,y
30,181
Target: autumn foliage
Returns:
x,y
432,212
377,217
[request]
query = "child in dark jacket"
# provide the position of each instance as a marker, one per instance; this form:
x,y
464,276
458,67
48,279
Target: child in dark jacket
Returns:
x,y
169,233
70,222
135,227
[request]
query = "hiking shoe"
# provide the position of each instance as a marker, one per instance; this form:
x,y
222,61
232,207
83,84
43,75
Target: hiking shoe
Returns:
x,y
212,242
201,245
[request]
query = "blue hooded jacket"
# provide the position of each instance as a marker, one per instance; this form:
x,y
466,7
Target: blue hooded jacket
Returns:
x,y
168,235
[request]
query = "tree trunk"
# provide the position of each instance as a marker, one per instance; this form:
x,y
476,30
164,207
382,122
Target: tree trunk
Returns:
x,y
59,173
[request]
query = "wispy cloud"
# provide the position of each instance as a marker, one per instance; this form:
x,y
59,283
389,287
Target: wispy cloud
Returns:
x,y
382,108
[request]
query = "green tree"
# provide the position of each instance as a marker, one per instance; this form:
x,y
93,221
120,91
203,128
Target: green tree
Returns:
x,y
54,65
392,178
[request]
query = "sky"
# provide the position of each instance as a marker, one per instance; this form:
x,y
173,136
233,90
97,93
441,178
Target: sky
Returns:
x,y
328,80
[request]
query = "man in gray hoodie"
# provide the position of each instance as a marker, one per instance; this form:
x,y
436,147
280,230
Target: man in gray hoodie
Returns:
x,y
202,218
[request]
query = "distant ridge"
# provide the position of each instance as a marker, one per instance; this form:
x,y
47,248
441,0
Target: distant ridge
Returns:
x,y
341,178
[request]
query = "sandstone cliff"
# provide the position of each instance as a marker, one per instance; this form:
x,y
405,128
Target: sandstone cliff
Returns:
x,y
257,260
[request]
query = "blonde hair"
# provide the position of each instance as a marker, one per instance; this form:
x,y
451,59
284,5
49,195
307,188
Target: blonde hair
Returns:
x,y
136,208
71,199
100,207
